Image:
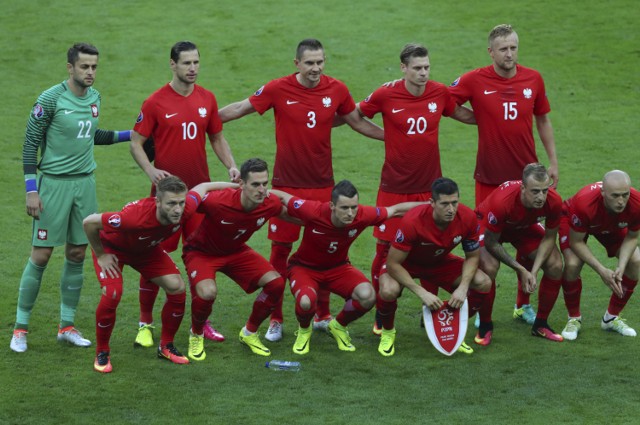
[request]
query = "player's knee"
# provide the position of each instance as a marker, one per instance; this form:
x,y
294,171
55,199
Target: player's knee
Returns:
x,y
175,285
553,265
365,295
111,295
389,288
481,282
572,266
633,266
40,255
207,290
75,253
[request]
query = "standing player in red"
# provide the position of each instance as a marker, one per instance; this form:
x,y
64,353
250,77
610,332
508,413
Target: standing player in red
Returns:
x,y
514,213
610,211
411,109
134,237
219,244
422,249
505,98
178,116
323,258
304,106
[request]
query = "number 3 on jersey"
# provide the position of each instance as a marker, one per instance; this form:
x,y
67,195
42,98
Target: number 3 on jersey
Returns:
x,y
189,130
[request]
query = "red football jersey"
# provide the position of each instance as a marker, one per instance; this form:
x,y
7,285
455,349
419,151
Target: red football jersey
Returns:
x,y
587,213
412,154
227,226
179,126
135,229
304,118
426,243
503,209
324,245
504,110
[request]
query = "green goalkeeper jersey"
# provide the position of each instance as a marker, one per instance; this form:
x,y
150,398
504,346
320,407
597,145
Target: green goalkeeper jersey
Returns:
x,y
63,126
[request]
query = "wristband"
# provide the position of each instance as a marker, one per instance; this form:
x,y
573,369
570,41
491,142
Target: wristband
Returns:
x,y
31,185
124,136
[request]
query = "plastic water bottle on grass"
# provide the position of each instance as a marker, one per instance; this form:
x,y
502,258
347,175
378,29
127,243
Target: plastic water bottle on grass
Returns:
x,y
282,365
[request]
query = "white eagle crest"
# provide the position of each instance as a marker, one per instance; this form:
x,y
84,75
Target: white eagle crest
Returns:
x,y
326,101
527,93
433,107
202,111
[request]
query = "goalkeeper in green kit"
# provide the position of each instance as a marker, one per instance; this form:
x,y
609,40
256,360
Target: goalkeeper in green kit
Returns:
x,y
64,126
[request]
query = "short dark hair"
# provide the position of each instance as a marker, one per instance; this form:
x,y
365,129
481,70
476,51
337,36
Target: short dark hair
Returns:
x,y
443,186
413,50
172,184
74,51
535,170
182,46
253,165
343,188
308,44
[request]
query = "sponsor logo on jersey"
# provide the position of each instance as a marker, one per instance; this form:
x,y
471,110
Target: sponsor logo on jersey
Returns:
x,y
298,203
455,82
202,111
94,110
490,91
527,93
433,107
38,112
42,234
326,102
399,236
114,220
140,117
259,91
260,221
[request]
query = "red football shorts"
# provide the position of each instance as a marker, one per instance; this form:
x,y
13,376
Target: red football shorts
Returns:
x,y
245,267
443,274
341,280
387,230
483,190
152,264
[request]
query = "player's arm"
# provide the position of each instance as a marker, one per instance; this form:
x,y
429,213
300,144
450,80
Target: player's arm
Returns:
x,y
136,147
223,152
469,268
284,199
109,137
398,210
107,262
581,249
464,115
362,125
545,131
547,244
629,245
236,110
495,248
397,271
203,188
37,125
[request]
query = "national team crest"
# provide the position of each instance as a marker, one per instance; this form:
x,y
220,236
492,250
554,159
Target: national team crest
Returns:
x,y
202,111
353,232
94,110
326,102
42,234
260,221
457,239
433,107
527,93
446,327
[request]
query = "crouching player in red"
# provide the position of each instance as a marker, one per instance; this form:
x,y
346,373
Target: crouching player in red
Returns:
x,y
422,249
514,213
219,244
610,211
322,261
132,236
